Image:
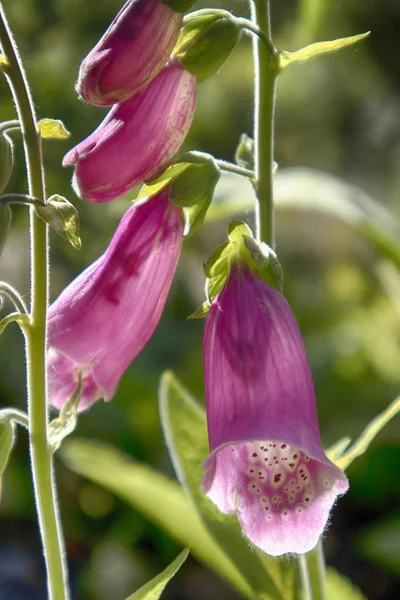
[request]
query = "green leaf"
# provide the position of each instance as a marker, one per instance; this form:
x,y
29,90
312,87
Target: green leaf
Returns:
x,y
236,231
155,587
361,445
206,41
5,223
6,442
185,430
156,497
288,58
201,312
181,6
156,185
63,217
339,587
52,129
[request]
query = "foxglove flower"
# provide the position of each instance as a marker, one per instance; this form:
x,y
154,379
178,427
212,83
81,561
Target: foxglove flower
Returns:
x,y
136,138
131,52
104,318
266,462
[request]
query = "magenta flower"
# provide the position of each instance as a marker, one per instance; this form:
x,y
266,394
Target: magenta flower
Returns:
x,y
131,52
266,462
136,138
104,318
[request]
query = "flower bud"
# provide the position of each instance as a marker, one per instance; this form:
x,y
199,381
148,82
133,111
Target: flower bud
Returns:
x,y
131,52
266,463
104,318
136,138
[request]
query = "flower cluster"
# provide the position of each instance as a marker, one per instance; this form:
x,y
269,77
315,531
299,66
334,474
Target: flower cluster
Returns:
x,y
103,319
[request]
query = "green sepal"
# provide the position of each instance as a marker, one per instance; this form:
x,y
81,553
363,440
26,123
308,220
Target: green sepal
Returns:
x,y
241,248
206,41
180,6
244,155
52,129
6,160
63,217
191,180
5,223
6,442
154,588
287,58
65,423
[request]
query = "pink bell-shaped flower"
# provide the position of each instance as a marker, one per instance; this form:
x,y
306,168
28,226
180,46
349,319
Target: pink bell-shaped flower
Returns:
x,y
131,52
105,317
266,463
136,138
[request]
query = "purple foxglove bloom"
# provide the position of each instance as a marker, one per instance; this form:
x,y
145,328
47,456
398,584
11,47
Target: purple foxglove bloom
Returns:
x,y
104,318
131,52
136,138
266,462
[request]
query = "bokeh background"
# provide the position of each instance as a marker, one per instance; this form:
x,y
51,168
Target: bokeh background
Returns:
x,y
340,114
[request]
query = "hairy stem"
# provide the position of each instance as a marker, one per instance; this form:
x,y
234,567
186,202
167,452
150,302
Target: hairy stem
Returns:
x,y
42,465
264,104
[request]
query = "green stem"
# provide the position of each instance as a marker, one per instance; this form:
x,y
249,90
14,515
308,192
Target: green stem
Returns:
x,y
41,459
305,578
13,414
316,564
232,168
264,111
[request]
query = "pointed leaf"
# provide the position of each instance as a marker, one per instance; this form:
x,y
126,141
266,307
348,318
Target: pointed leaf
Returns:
x,y
53,129
63,217
201,312
361,445
156,497
339,587
185,430
287,58
155,587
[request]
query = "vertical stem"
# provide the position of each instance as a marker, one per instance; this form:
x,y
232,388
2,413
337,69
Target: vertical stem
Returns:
x,y
316,564
41,459
305,577
264,109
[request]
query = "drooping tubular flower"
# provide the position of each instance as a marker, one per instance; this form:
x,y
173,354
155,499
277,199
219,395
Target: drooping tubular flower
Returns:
x,y
136,138
104,318
131,52
266,463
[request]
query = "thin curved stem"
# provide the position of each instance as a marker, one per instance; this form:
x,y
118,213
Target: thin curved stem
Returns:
x,y
23,321
253,29
11,294
41,459
232,168
21,199
13,414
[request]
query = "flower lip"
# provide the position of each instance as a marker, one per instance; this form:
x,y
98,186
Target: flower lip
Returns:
x,y
282,495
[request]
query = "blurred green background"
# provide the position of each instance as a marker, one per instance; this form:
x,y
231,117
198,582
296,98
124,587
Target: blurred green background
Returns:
x,y
339,113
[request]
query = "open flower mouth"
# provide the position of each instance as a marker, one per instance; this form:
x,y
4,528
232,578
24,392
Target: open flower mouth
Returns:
x,y
281,495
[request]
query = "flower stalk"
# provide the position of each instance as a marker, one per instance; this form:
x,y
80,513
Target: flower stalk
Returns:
x,y
266,73
35,335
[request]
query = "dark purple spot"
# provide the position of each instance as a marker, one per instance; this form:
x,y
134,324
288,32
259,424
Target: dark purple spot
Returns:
x,y
283,446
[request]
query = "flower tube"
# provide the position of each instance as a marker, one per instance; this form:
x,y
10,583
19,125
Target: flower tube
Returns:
x,y
136,138
266,463
104,318
132,51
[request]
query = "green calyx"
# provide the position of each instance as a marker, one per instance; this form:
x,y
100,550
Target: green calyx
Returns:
x,y
63,217
241,249
180,6
191,181
206,40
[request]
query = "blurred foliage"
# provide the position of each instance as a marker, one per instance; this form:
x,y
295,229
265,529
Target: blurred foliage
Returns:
x,y
338,113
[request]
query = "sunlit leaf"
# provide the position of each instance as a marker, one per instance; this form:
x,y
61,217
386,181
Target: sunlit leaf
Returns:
x,y
53,129
288,58
156,497
360,446
185,429
339,587
60,214
155,587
